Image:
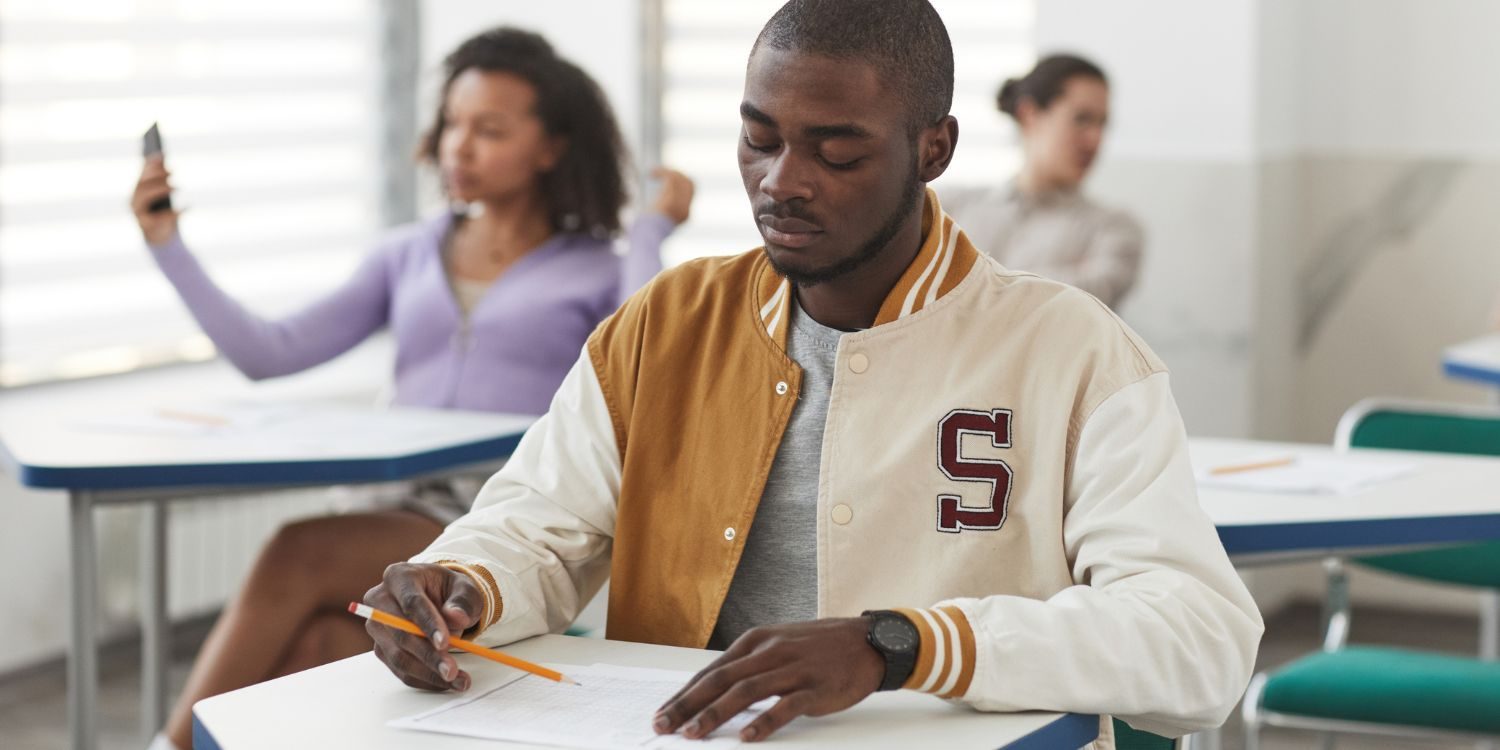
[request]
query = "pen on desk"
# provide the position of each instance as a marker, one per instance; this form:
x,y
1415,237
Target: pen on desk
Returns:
x,y
1268,464
392,621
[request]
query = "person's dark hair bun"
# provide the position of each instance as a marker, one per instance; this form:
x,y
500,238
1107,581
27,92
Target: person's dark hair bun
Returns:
x,y
1045,82
1009,93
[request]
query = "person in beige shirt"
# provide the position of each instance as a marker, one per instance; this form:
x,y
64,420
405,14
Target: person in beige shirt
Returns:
x,y
1040,221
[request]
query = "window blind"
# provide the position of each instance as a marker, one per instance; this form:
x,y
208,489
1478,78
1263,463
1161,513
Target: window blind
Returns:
x,y
268,111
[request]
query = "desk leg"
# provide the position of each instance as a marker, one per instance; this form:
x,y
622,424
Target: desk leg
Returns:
x,y
1206,740
83,666
154,639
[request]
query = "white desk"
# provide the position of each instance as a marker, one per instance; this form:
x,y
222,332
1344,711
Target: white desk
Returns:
x,y
1477,360
51,443
347,703
1448,499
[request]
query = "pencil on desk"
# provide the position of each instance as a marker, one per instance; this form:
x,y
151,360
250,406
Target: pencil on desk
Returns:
x,y
210,420
1268,464
402,624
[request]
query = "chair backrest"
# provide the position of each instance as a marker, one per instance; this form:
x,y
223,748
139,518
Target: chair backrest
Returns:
x,y
1439,428
1127,738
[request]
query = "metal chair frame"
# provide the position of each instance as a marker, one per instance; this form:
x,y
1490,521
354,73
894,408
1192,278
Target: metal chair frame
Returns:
x,y
1337,614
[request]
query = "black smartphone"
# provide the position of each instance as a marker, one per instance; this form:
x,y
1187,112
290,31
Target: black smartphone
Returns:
x,y
151,146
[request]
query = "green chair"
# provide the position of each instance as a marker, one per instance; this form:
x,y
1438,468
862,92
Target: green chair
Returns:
x,y
1389,691
1127,738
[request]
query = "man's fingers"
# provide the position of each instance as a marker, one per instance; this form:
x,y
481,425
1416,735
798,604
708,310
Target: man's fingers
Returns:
x,y
734,652
743,694
462,608
411,670
440,663
405,585
789,707
408,655
707,687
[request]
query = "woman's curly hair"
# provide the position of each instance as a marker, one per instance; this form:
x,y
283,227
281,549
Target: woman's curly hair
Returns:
x,y
586,190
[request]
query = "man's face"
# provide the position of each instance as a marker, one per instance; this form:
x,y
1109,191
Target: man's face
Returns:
x,y
828,161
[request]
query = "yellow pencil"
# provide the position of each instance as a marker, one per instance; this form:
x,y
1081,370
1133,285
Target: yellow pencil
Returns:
x,y
390,620
1269,464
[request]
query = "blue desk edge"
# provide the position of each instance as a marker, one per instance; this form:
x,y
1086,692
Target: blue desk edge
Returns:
x,y
1468,372
1373,532
1069,731
262,473
202,739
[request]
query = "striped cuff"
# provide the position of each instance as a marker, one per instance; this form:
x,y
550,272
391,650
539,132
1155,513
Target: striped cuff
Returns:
x,y
494,606
945,660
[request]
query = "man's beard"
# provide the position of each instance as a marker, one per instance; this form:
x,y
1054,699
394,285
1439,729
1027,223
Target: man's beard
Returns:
x,y
868,251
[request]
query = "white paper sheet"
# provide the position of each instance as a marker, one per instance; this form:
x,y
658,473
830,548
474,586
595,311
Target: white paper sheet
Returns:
x,y
192,420
1331,475
611,710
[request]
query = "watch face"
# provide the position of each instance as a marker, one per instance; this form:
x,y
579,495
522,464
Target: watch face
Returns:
x,y
895,634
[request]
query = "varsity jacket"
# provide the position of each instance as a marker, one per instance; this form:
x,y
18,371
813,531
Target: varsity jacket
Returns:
x,y
1002,460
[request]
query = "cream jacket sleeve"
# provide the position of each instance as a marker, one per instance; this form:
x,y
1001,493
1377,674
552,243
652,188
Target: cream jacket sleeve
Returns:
x,y
1158,630
541,528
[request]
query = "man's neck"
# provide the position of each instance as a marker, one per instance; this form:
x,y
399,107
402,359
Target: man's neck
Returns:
x,y
852,301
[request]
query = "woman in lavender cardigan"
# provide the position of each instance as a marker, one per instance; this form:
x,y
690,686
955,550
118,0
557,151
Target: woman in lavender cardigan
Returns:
x,y
489,308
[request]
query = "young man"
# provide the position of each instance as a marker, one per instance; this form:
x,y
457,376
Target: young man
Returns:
x,y
864,416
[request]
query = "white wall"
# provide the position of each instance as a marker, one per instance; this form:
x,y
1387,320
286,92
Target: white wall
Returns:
x,y
1180,72
1264,143
1179,155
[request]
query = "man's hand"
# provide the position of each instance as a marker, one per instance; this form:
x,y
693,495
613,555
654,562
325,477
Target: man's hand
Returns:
x,y
817,668
443,603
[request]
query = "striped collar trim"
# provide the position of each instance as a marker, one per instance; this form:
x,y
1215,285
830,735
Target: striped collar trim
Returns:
x,y
944,260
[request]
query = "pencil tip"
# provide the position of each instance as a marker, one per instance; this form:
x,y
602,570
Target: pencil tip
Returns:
x,y
572,681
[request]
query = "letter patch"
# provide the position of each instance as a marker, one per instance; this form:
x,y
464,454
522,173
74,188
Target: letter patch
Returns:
x,y
951,516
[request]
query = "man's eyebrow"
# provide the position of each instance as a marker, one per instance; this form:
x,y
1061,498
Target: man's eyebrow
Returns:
x,y
816,132
749,112
846,130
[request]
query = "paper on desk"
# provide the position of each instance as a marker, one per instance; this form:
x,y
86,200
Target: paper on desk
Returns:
x,y
1323,475
186,420
611,710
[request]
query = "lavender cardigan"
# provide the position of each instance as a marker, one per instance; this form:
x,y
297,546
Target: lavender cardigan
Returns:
x,y
508,354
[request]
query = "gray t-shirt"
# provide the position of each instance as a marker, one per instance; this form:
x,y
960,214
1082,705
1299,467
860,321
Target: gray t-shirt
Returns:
x,y
777,579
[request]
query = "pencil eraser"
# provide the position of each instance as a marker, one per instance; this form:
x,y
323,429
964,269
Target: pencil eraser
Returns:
x,y
354,607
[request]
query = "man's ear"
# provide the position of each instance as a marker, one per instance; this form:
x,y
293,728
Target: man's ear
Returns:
x,y
935,146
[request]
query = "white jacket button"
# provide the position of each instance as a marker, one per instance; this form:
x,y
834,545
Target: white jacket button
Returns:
x,y
729,534
781,388
842,514
859,363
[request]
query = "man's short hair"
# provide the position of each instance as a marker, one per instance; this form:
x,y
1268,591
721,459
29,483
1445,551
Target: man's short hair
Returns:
x,y
905,41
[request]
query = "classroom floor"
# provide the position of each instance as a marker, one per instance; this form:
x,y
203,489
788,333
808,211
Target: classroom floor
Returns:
x,y
33,710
